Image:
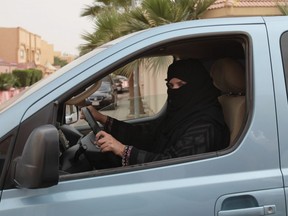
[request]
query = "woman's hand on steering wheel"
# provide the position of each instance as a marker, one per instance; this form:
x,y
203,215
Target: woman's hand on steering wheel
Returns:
x,y
96,114
107,143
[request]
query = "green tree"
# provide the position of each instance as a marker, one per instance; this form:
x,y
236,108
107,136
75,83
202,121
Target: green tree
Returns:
x,y
107,27
36,75
102,6
283,7
59,62
107,18
7,80
160,12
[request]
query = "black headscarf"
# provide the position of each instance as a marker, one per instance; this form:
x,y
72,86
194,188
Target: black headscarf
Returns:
x,y
198,92
199,85
190,102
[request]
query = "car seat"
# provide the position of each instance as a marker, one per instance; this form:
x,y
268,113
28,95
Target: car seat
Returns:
x,y
229,77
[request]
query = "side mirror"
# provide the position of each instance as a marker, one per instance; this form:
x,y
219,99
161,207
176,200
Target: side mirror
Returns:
x,y
71,114
38,165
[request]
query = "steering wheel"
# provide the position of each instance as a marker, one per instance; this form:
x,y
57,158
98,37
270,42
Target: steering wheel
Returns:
x,y
72,161
91,121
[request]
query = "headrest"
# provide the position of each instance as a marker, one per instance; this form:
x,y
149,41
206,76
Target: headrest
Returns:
x,y
228,76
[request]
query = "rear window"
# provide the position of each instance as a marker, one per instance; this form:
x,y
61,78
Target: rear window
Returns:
x,y
284,50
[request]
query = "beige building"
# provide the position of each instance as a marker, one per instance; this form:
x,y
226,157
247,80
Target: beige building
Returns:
x,y
23,49
236,8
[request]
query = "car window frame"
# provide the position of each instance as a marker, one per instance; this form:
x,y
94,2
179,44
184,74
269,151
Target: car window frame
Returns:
x,y
173,161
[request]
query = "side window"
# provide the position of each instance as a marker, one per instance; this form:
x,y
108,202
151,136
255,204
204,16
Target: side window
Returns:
x,y
284,50
136,92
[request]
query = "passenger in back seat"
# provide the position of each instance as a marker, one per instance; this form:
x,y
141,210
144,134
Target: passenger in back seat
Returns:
x,y
193,122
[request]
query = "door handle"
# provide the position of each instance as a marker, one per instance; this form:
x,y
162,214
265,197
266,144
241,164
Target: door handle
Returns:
x,y
254,211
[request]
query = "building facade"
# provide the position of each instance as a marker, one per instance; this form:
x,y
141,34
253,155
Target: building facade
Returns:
x,y
236,8
22,49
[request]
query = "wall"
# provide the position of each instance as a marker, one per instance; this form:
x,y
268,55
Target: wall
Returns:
x,y
20,46
8,44
236,8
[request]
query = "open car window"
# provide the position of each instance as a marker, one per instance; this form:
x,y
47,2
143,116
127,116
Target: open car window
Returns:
x,y
135,91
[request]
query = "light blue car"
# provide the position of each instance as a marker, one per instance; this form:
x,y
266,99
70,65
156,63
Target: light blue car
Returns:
x,y
43,171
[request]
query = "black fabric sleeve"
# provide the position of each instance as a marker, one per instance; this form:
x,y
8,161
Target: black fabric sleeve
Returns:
x,y
139,136
205,137
194,140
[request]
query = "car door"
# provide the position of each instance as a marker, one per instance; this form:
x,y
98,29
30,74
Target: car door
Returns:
x,y
278,39
243,180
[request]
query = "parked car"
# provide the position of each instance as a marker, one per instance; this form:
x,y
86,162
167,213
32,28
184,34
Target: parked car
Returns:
x,y
106,96
121,83
124,83
118,84
48,167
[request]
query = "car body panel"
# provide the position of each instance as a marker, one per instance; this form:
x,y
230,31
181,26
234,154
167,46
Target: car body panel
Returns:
x,y
275,33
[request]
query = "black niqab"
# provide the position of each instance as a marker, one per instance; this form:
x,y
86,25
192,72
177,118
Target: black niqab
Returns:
x,y
197,91
195,100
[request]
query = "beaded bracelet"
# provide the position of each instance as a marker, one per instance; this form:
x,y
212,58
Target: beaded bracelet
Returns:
x,y
126,155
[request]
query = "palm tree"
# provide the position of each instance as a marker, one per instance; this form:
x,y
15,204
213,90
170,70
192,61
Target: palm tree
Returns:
x,y
283,7
160,12
106,28
109,15
100,6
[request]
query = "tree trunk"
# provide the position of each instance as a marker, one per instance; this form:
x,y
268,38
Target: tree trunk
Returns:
x,y
133,98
